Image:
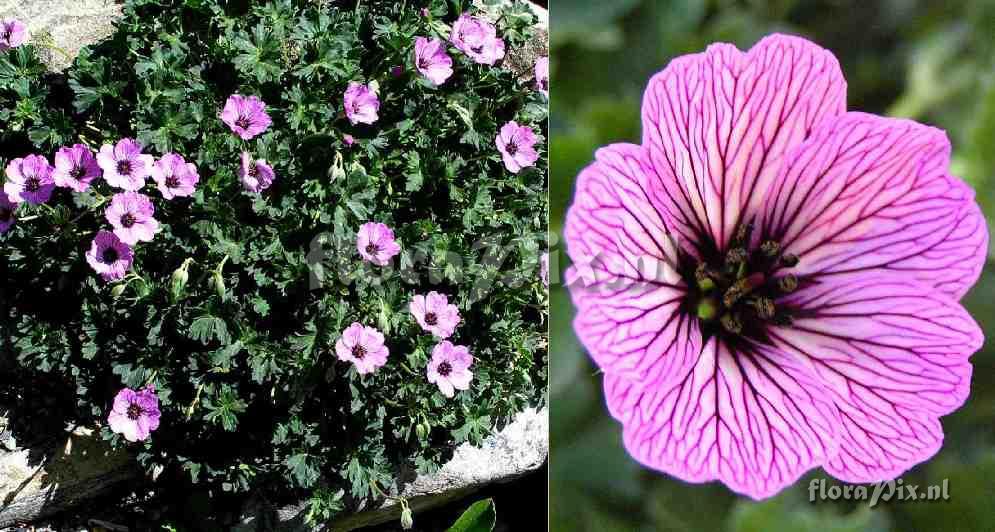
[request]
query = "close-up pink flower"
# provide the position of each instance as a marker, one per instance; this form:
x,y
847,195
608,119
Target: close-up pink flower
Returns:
x,y
13,33
432,60
174,176
131,215
246,116
363,346
134,414
75,168
361,104
435,314
256,175
29,179
8,213
449,368
478,39
109,257
124,164
770,283
517,146
376,243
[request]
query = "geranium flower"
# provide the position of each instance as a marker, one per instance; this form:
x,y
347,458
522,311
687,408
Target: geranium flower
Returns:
x,y
432,60
361,104
75,167
376,244
770,283
13,33
174,176
363,346
245,116
542,75
516,144
435,314
7,211
29,179
478,39
544,269
109,257
449,368
124,164
131,215
135,414
256,175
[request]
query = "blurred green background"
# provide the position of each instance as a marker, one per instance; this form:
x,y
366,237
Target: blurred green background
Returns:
x,y
933,61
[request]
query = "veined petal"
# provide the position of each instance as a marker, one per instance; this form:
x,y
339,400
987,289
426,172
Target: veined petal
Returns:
x,y
718,124
868,193
893,355
753,419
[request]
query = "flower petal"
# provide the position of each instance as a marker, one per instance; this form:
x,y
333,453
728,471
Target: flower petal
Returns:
x,y
893,355
718,124
873,193
752,418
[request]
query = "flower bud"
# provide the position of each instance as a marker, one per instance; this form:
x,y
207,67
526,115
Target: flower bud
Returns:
x,y
118,290
422,430
218,281
407,521
180,278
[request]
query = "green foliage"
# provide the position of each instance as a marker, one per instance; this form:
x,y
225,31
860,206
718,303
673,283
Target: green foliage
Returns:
x,y
240,348
479,517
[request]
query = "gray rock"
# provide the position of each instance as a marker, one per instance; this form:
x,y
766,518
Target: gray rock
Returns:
x,y
521,447
68,24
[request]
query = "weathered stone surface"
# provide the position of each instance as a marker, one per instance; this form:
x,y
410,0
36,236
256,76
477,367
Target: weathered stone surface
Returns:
x,y
519,448
69,24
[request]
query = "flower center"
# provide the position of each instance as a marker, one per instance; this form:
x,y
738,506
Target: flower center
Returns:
x,y
359,352
254,170
127,220
134,411
431,318
109,256
7,34
77,172
737,294
172,182
124,167
242,122
371,249
512,148
444,369
32,184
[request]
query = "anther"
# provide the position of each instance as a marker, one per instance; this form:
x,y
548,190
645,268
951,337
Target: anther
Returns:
x,y
704,278
707,309
770,248
789,261
764,307
732,324
743,234
736,255
787,284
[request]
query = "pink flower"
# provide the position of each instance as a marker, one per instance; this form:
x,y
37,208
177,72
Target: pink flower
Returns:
x,y
361,104
29,179
130,213
516,144
478,39
174,176
376,244
246,116
124,164
542,75
75,168
256,175
449,368
109,257
7,212
432,60
13,33
435,315
135,414
770,283
363,346
544,269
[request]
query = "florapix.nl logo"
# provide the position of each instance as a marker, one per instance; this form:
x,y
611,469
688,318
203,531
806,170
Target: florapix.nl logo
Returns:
x,y
891,491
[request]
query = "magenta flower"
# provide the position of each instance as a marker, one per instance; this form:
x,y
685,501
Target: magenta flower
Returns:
x,y
130,213
246,116
432,60
109,257
770,283
135,414
174,176
478,39
124,164
75,168
7,212
449,368
29,179
435,314
376,244
363,346
13,33
542,75
361,104
256,175
517,146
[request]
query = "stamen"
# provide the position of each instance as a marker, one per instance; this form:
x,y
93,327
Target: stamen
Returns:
x,y
789,261
732,324
764,307
707,309
770,248
787,284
